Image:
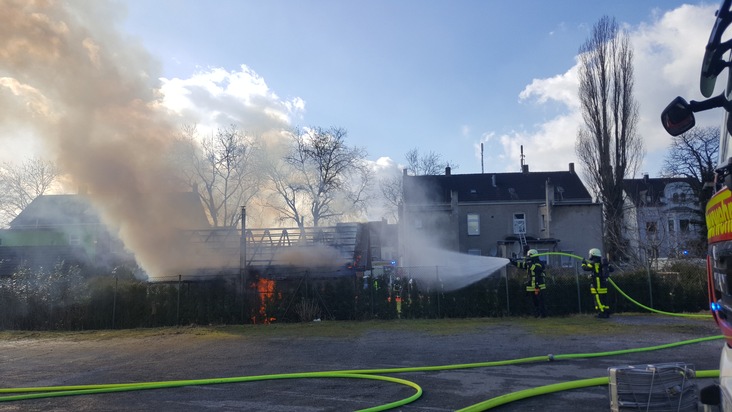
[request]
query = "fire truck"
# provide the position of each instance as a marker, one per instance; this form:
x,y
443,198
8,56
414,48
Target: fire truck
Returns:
x,y
677,118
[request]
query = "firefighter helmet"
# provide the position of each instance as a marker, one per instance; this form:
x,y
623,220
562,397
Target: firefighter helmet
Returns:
x,y
532,252
595,252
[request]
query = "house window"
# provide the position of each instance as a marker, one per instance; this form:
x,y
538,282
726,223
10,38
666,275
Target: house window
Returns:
x,y
74,240
543,222
684,225
567,261
651,228
473,224
543,257
671,227
519,223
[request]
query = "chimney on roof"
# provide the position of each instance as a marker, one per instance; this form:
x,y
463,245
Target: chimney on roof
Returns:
x,y
571,168
447,171
525,169
645,177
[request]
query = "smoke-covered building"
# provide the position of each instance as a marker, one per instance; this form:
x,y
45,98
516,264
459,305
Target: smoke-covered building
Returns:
x,y
499,214
68,228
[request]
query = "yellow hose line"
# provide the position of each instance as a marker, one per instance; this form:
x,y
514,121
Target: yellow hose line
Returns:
x,y
686,315
57,391
557,387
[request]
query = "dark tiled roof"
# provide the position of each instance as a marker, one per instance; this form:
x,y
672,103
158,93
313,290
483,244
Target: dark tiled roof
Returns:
x,y
651,190
495,187
56,210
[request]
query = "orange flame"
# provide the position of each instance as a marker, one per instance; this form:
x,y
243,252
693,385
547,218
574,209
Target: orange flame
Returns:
x,y
265,291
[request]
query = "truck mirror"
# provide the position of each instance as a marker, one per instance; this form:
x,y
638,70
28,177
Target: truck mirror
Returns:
x,y
677,117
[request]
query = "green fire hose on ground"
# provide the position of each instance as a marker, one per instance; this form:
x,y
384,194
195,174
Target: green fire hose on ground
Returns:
x,y
557,387
56,391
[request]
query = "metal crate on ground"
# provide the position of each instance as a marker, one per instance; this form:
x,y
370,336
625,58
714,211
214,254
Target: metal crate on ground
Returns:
x,y
661,387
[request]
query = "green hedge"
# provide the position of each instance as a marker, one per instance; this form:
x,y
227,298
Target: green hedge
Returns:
x,y
74,298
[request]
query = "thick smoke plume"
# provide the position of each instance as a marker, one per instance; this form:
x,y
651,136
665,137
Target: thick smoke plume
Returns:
x,y
315,256
89,96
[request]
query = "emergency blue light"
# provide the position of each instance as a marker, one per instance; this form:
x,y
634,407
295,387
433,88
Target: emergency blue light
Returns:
x,y
393,262
715,306
685,252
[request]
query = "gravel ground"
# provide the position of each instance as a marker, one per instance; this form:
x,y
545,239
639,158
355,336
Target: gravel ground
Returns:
x,y
60,359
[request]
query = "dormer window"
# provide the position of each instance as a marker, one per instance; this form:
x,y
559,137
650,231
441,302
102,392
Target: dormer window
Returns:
x,y
560,193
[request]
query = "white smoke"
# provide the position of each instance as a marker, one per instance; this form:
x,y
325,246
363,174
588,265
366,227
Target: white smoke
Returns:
x,y
89,96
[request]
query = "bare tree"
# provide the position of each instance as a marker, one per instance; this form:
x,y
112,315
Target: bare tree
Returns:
x,y
221,169
693,155
287,198
21,183
391,192
607,143
425,164
417,164
321,178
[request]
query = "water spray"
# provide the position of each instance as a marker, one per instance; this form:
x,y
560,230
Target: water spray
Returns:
x,y
20,394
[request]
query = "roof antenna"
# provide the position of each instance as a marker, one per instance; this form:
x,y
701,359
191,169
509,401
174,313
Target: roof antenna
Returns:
x,y
481,159
522,158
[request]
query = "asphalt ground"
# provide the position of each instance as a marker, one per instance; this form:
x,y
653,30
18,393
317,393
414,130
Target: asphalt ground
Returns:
x,y
102,357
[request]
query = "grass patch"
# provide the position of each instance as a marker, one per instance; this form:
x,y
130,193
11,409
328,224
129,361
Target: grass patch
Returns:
x,y
576,325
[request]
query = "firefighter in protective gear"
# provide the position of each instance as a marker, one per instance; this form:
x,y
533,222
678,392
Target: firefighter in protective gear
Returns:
x,y
600,272
535,283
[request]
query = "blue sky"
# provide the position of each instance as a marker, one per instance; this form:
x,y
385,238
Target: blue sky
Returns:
x,y
102,87
434,75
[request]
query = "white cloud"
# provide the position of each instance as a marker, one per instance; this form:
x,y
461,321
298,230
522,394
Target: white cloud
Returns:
x,y
561,88
667,56
384,162
215,98
385,168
